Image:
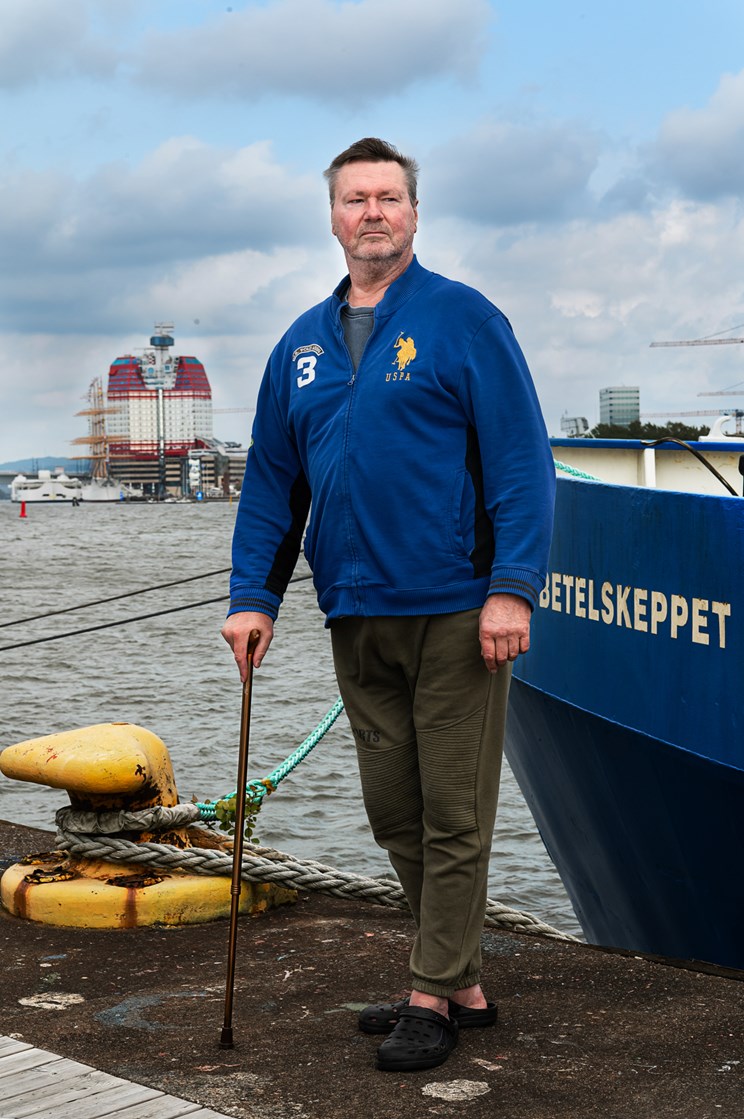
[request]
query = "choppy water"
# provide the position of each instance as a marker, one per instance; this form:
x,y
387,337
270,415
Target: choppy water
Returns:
x,y
175,676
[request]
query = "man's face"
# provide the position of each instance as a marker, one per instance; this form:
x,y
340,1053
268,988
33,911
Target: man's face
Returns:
x,y
372,215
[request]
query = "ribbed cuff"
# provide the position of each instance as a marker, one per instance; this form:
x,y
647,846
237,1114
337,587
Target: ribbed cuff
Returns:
x,y
517,580
259,600
442,991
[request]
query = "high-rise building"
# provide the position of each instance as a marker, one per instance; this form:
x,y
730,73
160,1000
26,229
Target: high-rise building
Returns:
x,y
163,402
151,431
620,404
159,410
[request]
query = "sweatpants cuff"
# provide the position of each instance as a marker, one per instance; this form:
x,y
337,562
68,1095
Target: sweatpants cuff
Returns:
x,y
441,990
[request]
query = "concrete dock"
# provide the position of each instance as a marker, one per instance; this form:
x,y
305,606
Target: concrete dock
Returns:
x,y
583,1032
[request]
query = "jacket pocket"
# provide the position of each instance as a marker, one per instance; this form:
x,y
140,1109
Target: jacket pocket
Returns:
x,y
462,514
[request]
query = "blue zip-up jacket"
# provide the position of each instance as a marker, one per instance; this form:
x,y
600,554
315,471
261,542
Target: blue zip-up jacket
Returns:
x,y
429,469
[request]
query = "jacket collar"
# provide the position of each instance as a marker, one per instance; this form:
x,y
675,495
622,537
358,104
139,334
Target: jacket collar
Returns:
x,y
399,291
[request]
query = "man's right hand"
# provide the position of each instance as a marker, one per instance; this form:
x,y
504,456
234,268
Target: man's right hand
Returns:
x,y
236,631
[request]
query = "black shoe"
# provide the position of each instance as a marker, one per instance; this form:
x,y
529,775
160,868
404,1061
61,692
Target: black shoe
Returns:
x,y
421,1039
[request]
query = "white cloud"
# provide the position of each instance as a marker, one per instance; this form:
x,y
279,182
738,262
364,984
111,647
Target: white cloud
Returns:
x,y
187,197
586,298
502,173
701,150
229,293
345,52
76,250
44,39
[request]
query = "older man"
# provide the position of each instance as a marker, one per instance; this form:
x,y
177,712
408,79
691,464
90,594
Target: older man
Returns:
x,y
402,407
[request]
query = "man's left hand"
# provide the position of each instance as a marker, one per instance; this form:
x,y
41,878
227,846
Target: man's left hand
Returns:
x,y
504,629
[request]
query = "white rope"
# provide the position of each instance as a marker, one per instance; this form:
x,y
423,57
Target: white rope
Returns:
x,y
261,864
158,818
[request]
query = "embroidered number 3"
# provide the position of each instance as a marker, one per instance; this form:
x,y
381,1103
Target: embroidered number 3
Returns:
x,y
306,369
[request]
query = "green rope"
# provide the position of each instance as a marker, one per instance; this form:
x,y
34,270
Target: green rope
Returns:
x,y
257,789
575,473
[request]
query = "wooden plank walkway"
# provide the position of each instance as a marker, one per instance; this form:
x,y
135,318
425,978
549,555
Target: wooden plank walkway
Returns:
x,y
43,1085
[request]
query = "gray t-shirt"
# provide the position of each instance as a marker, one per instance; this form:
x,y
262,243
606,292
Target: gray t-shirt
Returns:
x,y
358,323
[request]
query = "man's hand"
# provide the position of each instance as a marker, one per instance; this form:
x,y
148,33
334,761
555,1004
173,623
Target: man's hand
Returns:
x,y
504,629
236,631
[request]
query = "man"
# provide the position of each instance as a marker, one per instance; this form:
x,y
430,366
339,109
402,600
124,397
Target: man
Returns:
x,y
403,407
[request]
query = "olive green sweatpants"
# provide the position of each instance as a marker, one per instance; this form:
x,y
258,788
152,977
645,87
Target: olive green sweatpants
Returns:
x,y
428,719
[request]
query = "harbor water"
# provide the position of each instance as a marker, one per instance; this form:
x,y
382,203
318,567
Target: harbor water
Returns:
x,y
175,675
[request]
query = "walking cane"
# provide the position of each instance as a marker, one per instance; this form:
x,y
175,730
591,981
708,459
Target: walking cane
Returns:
x,y
226,1037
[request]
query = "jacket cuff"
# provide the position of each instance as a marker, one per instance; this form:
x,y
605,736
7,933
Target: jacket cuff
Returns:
x,y
254,599
517,580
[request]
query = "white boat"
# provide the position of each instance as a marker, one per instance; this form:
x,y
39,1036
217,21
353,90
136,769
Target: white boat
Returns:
x,y
47,487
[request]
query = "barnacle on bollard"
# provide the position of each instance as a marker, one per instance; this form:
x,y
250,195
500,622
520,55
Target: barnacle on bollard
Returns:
x,y
42,858
54,874
136,881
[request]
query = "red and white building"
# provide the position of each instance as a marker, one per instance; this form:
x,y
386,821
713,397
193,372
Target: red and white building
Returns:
x,y
160,404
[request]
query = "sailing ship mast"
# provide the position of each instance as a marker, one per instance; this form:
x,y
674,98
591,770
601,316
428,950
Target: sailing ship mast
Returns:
x,y
96,439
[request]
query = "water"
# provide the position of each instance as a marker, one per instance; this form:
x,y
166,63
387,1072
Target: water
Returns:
x,y
175,676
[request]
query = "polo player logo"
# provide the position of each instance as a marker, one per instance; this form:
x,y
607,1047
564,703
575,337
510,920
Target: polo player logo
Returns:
x,y
406,352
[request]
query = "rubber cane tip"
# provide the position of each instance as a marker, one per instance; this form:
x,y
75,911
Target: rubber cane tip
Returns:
x,y
226,1038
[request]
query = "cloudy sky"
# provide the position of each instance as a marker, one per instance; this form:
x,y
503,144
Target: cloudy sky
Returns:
x,y
582,164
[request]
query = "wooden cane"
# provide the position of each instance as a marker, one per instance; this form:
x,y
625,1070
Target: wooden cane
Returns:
x,y
226,1037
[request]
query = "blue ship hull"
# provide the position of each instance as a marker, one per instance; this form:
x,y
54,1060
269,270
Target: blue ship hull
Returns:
x,y
625,725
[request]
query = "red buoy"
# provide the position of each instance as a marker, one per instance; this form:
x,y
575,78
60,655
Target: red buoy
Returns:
x,y
23,508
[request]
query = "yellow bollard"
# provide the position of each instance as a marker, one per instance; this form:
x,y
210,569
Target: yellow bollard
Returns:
x,y
112,767
104,767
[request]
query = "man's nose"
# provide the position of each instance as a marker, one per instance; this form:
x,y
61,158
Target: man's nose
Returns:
x,y
372,210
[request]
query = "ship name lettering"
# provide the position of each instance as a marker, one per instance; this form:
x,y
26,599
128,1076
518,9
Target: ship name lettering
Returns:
x,y
658,610
623,617
699,620
639,609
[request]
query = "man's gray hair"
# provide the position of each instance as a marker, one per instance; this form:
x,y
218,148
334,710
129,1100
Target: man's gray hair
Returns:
x,y
372,150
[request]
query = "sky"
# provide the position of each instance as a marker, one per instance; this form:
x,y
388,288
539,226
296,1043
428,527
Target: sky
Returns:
x,y
582,164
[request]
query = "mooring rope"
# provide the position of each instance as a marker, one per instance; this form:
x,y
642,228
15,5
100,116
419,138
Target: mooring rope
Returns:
x,y
263,864
257,789
574,472
90,835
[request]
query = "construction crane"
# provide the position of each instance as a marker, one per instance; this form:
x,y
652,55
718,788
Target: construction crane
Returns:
x,y
699,412
733,391
701,342
712,340
736,413
709,340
